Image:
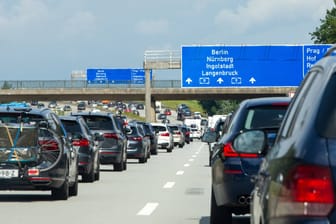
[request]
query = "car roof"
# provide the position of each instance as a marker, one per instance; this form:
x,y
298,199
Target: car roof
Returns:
x,y
266,101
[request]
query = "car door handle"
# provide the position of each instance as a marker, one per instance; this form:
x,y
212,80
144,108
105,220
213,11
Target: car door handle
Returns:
x,y
264,173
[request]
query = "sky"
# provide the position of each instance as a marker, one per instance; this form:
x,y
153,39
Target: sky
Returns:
x,y
52,39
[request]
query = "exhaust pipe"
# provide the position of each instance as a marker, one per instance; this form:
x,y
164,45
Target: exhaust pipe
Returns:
x,y
244,200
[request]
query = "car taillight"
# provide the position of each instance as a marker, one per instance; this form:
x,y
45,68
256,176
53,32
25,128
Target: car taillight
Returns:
x,y
166,134
307,191
228,151
111,135
81,142
138,138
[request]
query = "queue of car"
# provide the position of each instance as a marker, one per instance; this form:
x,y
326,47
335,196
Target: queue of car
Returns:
x,y
40,150
272,158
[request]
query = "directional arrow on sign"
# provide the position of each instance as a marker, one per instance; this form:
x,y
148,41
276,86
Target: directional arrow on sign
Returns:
x,y
188,81
220,80
252,80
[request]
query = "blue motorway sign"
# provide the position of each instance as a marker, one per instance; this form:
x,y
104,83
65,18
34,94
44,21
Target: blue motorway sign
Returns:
x,y
115,76
248,66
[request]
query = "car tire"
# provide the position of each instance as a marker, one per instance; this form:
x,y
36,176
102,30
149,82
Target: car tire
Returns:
x,y
61,193
125,165
219,214
89,177
119,166
73,191
97,174
143,159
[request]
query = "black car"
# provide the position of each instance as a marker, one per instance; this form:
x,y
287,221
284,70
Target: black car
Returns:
x,y
138,143
84,142
112,146
186,131
150,131
81,106
35,153
232,170
296,182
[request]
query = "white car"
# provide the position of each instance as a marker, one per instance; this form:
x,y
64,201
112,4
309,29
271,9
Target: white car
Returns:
x,y
195,133
165,138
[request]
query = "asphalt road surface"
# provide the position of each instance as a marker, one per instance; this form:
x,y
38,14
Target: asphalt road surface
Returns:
x,y
171,188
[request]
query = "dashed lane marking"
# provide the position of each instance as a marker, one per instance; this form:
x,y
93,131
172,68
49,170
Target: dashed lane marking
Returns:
x,y
148,209
169,185
180,172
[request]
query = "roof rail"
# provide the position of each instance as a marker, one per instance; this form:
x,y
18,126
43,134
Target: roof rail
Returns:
x,y
330,51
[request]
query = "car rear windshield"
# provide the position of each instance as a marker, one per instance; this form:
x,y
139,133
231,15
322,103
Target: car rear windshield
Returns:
x,y
71,126
264,117
159,128
99,122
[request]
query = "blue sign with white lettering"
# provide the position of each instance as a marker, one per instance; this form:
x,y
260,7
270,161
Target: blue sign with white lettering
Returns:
x,y
247,66
116,76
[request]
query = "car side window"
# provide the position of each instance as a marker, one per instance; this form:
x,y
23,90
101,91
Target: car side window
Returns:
x,y
326,118
296,105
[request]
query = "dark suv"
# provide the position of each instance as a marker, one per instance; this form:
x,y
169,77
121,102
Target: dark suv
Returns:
x,y
296,182
112,146
35,153
84,142
232,170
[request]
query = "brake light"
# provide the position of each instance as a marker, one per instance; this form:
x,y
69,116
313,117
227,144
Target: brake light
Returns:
x,y
138,138
166,134
307,191
81,142
228,151
111,135
33,172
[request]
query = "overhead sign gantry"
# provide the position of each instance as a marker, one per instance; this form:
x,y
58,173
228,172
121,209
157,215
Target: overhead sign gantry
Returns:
x,y
247,65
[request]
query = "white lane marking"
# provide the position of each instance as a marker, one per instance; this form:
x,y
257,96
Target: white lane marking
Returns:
x,y
194,156
148,209
196,152
180,172
190,160
169,185
186,165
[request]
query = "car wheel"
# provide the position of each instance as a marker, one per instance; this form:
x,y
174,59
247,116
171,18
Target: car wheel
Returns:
x,y
219,214
97,174
73,191
154,151
119,166
89,177
125,165
61,193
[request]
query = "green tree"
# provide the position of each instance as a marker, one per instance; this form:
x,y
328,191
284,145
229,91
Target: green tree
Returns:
x,y
326,32
219,106
6,85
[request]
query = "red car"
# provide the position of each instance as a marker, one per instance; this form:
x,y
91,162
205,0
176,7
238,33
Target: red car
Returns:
x,y
167,111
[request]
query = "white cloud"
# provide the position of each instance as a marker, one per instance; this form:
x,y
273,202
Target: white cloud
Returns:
x,y
261,14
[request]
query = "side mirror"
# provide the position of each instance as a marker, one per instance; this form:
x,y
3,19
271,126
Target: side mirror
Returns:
x,y
209,137
253,141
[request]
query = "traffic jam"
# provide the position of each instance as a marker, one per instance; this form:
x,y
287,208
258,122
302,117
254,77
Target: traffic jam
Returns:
x,y
271,159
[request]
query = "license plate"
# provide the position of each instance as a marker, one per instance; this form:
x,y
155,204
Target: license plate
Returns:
x,y
9,173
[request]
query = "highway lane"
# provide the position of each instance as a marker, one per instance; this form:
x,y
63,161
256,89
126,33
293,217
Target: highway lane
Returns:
x,y
172,188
